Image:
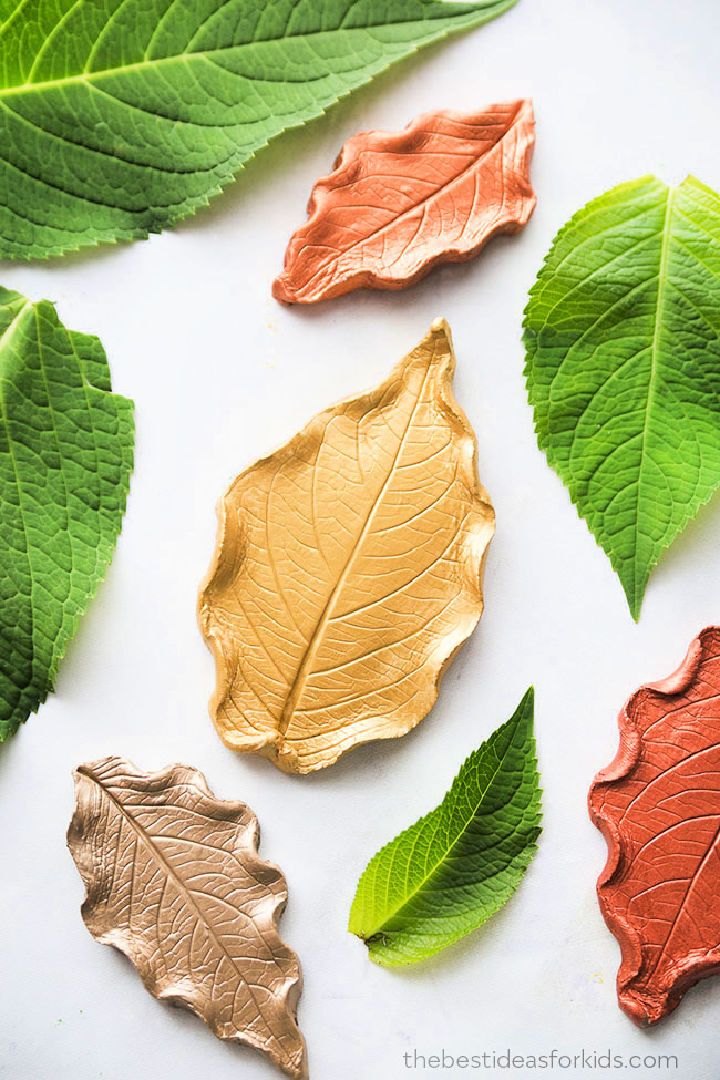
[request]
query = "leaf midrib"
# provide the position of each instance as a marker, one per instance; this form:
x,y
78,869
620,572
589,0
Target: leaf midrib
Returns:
x,y
187,56
652,381
7,336
11,329
298,684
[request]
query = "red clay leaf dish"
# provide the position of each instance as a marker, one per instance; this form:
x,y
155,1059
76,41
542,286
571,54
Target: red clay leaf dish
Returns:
x,y
658,806
398,204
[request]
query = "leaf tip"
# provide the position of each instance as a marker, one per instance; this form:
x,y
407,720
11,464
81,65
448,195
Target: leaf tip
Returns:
x,y
281,291
634,590
440,328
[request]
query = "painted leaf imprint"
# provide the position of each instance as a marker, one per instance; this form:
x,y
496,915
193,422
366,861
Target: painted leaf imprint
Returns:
x,y
658,806
398,204
348,570
174,881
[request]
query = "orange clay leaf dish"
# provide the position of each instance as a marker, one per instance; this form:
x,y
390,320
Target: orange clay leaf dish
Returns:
x,y
348,570
658,805
174,881
398,204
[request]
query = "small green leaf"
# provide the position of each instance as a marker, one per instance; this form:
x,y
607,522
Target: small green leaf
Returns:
x,y
454,868
66,450
121,117
622,332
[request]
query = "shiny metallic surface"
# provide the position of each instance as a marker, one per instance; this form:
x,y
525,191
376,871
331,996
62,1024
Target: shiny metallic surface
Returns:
x,y
396,205
348,570
174,881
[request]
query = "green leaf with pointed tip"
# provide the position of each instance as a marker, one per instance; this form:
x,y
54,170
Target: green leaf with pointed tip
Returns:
x,y
622,332
449,872
121,117
66,449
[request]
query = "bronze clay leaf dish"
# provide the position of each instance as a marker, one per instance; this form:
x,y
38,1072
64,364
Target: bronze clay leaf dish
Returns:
x,y
174,881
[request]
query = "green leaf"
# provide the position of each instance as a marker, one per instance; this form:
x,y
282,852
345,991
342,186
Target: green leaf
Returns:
x,y
622,332
454,868
66,449
121,117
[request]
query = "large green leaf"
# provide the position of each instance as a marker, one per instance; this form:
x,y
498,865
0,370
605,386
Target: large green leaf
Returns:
x,y
66,448
623,366
120,117
454,868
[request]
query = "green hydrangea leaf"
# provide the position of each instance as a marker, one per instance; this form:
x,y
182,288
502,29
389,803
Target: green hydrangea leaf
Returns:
x,y
622,332
449,872
121,117
66,452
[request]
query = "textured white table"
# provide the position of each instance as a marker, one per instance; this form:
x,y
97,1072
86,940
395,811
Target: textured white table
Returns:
x,y
221,374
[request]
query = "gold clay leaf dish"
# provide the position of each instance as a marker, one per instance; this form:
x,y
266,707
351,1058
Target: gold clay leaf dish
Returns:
x,y
174,881
348,570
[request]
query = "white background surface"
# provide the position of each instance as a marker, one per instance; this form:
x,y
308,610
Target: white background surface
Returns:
x,y
221,374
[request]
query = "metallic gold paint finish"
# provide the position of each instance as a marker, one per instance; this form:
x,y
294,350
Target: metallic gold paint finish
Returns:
x,y
348,570
174,881
398,204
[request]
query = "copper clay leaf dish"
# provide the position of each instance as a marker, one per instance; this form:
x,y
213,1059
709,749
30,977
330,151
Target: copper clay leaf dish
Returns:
x,y
398,204
174,881
348,570
658,805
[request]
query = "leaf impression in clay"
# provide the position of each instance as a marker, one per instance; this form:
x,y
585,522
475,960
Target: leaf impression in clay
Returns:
x,y
658,806
398,204
348,570
174,881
